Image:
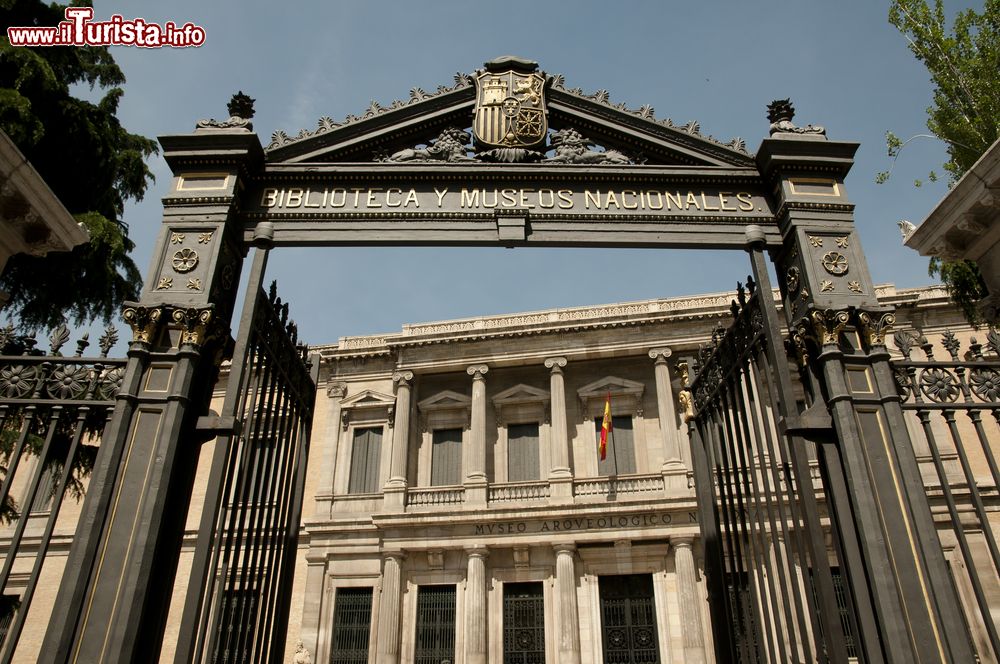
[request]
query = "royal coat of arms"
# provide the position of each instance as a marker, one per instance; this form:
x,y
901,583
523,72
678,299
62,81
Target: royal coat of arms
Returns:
x,y
510,104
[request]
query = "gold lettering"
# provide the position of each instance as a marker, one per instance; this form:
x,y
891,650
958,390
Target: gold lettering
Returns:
x,y
411,197
673,200
524,199
509,197
587,196
440,194
469,198
343,198
357,195
629,192
281,197
724,199
704,203
326,195
496,198
552,199
389,192
659,200
612,197
692,200
305,201
372,202
746,201
565,196
269,198
294,198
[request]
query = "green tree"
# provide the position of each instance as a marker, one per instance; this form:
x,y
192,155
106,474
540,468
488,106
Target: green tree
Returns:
x,y
964,66
88,159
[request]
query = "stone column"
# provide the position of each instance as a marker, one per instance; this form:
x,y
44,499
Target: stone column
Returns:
x,y
474,455
331,451
569,621
395,488
560,475
389,610
475,606
673,469
689,600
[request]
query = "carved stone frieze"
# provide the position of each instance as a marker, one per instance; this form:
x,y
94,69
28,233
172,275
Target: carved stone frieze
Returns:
x,y
572,148
451,145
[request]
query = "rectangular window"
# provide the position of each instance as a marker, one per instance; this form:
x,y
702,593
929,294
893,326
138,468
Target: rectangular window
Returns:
x,y
9,605
365,452
522,452
620,458
523,623
435,625
446,457
352,618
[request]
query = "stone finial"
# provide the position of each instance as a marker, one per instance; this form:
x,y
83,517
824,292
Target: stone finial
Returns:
x,y
240,109
241,106
780,113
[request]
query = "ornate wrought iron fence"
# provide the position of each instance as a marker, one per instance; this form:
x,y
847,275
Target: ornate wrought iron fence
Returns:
x,y
240,586
948,399
767,565
53,410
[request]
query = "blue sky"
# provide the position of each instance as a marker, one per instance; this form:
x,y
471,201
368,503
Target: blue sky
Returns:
x,y
720,63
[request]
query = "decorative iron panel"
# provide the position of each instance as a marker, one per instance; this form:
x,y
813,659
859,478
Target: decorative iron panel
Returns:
x,y
352,617
628,620
54,408
435,625
230,645
523,623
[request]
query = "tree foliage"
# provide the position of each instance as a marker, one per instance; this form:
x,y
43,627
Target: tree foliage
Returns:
x,y
92,163
964,65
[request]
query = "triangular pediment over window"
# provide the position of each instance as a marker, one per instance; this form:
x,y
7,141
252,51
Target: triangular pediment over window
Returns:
x,y
520,394
368,399
626,395
445,400
384,130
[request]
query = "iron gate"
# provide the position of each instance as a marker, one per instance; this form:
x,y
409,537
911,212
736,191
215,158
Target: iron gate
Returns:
x,y
53,410
239,590
768,569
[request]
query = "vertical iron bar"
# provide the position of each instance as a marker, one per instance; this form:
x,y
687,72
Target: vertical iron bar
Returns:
x,y
970,480
756,539
192,617
963,543
832,630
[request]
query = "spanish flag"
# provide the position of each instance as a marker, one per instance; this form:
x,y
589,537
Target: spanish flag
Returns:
x,y
605,428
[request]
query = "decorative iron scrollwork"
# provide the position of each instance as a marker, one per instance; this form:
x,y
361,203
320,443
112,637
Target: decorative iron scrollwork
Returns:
x,y
17,381
68,381
939,385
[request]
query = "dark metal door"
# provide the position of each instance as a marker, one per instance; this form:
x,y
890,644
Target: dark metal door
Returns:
x,y
352,618
523,623
628,619
435,625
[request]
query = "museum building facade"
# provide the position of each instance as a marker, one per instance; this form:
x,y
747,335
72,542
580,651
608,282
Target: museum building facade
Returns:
x,y
460,508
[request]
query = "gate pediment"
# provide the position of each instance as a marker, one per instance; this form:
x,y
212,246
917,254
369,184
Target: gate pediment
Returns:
x,y
382,131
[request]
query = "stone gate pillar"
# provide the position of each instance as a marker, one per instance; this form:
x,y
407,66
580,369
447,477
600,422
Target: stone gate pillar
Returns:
x,y
114,595
877,498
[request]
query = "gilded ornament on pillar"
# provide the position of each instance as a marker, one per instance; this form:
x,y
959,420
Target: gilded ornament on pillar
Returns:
x,y
825,286
196,325
144,322
828,325
165,283
842,242
835,263
876,326
176,238
184,260
687,405
798,337
204,238
854,286
815,241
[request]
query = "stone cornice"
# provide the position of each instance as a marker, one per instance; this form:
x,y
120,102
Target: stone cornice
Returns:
x,y
576,319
